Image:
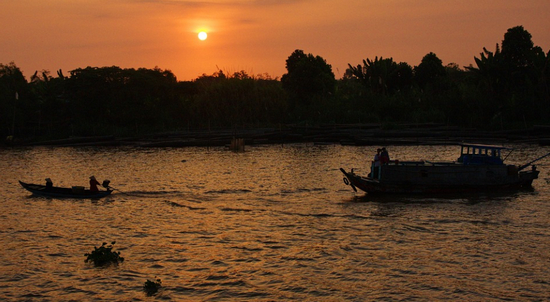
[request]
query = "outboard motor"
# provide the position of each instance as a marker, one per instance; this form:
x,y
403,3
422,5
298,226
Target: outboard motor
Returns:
x,y
106,183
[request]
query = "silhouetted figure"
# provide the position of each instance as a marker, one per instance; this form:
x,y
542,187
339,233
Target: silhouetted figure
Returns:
x,y
93,184
384,157
49,184
376,164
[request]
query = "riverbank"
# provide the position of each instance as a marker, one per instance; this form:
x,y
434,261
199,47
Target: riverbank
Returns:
x,y
357,134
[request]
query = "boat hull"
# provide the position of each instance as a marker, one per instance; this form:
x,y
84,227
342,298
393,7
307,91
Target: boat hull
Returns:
x,y
58,192
418,184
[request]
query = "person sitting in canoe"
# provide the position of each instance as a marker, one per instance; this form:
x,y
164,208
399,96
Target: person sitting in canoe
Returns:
x,y
49,184
93,184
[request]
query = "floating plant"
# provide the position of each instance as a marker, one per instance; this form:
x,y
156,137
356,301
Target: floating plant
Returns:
x,y
104,255
152,287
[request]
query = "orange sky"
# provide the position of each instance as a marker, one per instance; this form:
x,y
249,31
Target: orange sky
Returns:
x,y
256,36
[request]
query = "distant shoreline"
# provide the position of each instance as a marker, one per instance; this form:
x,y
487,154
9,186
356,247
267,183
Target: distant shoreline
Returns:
x,y
358,135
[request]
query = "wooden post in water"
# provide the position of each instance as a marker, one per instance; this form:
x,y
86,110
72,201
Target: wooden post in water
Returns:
x,y
237,145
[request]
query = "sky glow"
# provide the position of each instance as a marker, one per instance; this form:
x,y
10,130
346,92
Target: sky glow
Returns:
x,y
255,36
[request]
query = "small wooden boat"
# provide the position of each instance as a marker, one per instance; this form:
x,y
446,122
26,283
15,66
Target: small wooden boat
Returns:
x,y
479,168
74,192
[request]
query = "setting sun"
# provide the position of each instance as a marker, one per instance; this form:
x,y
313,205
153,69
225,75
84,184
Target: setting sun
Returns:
x,y
203,36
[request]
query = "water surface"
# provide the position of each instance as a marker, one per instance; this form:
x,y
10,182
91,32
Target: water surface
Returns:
x,y
275,223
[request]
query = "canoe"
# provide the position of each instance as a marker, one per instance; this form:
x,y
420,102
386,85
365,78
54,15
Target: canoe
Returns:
x,y
74,192
479,168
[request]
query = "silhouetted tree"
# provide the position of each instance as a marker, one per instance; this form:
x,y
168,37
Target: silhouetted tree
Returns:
x,y
517,47
430,68
507,87
238,100
111,98
516,89
308,78
382,75
12,113
51,105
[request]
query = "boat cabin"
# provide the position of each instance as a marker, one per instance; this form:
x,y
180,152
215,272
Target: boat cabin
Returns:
x,y
480,155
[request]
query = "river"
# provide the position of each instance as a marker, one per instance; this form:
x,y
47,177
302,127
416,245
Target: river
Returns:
x,y
273,223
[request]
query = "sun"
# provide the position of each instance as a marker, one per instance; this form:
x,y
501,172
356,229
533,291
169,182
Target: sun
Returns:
x,y
203,35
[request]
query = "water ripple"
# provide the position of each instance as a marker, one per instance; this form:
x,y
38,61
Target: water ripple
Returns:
x,y
288,231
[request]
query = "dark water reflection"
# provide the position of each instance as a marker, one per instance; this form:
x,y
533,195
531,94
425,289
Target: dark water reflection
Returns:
x,y
274,223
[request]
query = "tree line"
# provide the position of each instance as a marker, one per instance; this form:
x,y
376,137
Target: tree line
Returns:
x,y
508,88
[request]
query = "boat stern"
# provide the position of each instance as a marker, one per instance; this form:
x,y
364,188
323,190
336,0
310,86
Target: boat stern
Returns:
x,y
526,177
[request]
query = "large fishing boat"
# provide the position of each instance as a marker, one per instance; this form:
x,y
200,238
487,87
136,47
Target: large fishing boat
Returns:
x,y
479,168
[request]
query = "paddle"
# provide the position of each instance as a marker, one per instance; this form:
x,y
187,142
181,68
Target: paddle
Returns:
x,y
113,189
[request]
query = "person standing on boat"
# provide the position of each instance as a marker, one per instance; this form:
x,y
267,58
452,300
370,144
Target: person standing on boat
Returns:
x,y
384,157
376,164
93,184
49,184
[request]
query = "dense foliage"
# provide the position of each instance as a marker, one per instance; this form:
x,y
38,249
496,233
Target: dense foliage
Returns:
x,y
152,287
104,255
507,88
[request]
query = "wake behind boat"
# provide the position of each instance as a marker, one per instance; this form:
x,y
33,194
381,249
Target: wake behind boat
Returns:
x,y
74,192
479,168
